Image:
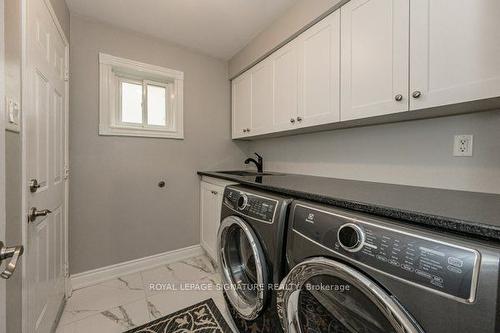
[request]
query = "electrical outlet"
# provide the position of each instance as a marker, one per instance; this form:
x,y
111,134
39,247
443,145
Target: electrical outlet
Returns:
x,y
463,145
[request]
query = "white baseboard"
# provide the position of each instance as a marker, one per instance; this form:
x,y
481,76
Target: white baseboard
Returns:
x,y
102,274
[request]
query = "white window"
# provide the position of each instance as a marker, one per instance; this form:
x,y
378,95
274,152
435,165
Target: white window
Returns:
x,y
138,99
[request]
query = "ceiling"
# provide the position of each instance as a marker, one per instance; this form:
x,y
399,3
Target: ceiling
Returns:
x,y
219,28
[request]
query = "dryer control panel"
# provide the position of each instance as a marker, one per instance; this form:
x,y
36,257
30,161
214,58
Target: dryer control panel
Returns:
x,y
438,265
251,205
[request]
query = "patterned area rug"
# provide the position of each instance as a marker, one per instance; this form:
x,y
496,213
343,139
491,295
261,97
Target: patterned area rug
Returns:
x,y
203,317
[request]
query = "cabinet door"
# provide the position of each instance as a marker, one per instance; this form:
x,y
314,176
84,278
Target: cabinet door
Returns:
x,y
241,105
286,86
454,51
219,197
209,217
262,97
320,72
374,58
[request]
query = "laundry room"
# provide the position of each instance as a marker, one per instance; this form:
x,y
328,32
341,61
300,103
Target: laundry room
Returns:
x,y
235,166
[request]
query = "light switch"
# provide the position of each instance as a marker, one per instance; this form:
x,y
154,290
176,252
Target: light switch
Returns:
x,y
13,116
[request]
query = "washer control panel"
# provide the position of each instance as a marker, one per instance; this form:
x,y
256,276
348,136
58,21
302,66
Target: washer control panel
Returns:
x,y
441,266
251,205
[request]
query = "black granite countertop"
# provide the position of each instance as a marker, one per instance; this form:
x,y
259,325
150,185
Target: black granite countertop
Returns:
x,y
470,213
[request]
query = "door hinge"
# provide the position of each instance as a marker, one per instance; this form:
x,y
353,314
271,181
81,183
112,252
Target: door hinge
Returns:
x,y
66,76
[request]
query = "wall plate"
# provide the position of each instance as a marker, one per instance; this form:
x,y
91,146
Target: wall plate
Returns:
x,y
463,144
12,115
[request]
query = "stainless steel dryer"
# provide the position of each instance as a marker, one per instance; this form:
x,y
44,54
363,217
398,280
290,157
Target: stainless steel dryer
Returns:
x,y
251,256
352,272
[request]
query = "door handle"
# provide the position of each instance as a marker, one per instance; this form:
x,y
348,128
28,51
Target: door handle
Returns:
x,y
34,213
13,252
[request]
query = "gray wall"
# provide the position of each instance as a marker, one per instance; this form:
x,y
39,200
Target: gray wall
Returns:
x,y
117,212
414,153
293,20
13,199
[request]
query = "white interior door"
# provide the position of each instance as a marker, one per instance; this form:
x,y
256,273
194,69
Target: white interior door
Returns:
x,y
46,60
374,58
454,51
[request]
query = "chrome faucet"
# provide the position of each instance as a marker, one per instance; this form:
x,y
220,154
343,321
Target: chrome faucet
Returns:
x,y
259,163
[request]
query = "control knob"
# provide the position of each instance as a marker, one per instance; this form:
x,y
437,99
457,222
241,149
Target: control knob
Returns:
x,y
242,201
351,237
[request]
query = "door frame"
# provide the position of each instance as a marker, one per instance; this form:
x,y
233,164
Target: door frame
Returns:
x,y
3,291
26,96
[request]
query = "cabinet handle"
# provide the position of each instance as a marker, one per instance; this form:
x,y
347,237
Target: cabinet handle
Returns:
x,y
248,129
398,97
299,118
244,130
292,120
214,192
416,94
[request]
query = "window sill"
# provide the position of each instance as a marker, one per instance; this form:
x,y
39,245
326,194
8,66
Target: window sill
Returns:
x,y
139,132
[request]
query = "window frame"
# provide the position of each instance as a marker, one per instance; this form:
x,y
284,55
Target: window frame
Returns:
x,y
118,120
168,103
114,71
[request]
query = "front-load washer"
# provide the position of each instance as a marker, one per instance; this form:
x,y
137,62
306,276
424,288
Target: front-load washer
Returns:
x,y
352,272
251,245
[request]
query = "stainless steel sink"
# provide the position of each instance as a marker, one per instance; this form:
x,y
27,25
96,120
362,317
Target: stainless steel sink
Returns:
x,y
248,173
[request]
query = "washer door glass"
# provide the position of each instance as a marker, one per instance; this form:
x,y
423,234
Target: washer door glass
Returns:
x,y
243,267
330,304
322,295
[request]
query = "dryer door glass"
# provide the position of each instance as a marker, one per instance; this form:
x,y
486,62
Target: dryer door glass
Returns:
x,y
323,295
241,263
243,267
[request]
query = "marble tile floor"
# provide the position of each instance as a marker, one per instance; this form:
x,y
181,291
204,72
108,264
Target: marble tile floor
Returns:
x,y
120,304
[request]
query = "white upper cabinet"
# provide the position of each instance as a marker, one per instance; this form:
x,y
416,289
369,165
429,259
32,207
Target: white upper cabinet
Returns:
x,y
374,58
454,52
320,72
241,105
262,98
296,86
286,86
